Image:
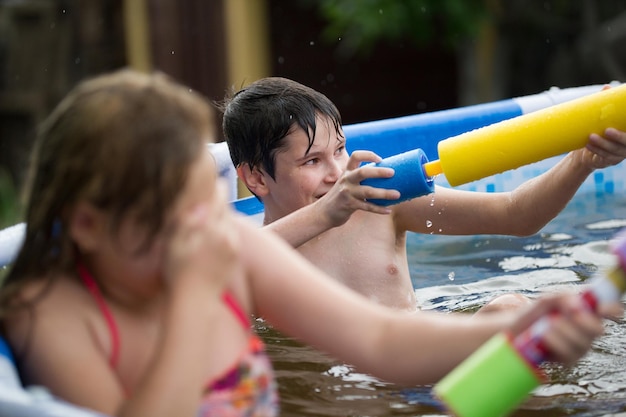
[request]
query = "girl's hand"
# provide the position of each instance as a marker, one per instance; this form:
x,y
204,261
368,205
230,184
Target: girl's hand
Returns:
x,y
571,334
203,249
572,328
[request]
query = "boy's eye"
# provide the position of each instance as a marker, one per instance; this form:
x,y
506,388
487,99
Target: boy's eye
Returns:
x,y
340,150
311,161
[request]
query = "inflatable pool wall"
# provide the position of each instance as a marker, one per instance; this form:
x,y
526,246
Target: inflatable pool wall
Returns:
x,y
10,242
386,138
396,135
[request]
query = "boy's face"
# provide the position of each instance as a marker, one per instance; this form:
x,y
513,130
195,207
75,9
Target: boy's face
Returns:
x,y
302,179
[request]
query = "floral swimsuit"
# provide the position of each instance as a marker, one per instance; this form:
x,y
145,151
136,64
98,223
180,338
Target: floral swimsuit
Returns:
x,y
247,389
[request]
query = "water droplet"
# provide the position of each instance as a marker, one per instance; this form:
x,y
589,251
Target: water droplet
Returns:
x,y
429,223
172,52
312,43
451,276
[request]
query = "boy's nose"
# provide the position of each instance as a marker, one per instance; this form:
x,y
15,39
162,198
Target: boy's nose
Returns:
x,y
334,171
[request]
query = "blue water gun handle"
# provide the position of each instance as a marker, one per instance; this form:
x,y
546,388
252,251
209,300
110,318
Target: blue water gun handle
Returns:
x,y
409,178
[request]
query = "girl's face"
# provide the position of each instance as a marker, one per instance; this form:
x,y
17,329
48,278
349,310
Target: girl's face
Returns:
x,y
199,188
140,272
302,178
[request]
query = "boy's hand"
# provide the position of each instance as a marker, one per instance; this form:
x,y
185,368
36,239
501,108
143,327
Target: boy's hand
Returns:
x,y
348,195
606,150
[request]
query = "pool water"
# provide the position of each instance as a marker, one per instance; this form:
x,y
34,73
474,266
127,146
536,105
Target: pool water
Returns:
x,y
460,274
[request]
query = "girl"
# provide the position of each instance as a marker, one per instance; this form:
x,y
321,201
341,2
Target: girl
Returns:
x,y
133,290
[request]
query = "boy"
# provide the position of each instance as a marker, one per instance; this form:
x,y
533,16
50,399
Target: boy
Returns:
x,y
286,141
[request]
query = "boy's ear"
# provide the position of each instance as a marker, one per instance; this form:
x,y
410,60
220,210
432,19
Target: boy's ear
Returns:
x,y
87,226
254,179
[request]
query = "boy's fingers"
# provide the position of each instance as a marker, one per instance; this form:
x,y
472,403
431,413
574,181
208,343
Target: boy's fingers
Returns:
x,y
374,172
358,157
372,193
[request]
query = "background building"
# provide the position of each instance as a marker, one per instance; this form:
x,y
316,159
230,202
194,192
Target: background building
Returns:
x,y
375,59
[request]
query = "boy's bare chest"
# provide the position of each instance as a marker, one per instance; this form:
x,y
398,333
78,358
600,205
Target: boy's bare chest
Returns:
x,y
365,250
367,257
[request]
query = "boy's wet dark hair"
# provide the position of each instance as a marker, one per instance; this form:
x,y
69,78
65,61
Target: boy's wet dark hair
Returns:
x,y
258,117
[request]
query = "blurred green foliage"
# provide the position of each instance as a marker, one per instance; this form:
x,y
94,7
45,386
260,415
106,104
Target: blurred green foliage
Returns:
x,y
360,24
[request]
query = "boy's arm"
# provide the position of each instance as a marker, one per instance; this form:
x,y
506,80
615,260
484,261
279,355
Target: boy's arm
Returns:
x,y
302,225
540,200
520,212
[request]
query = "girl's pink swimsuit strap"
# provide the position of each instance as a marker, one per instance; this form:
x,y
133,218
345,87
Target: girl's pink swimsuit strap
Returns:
x,y
247,389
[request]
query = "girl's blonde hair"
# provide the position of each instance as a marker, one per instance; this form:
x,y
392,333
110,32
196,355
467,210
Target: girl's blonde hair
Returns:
x,y
121,141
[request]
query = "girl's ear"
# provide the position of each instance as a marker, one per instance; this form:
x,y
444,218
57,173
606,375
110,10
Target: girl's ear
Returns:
x,y
253,179
87,226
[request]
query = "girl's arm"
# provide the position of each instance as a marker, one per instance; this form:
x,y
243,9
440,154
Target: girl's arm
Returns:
x,y
55,349
410,348
202,258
